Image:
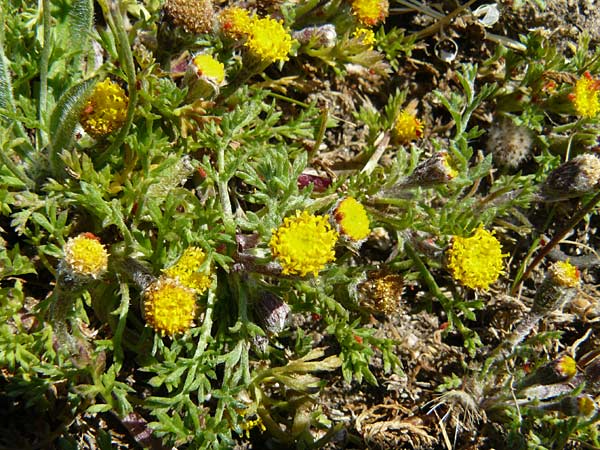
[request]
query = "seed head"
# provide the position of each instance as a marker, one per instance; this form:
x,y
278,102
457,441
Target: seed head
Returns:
x,y
194,16
509,144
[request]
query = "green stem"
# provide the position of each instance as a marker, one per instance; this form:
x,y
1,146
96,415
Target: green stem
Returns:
x,y
44,59
115,20
557,238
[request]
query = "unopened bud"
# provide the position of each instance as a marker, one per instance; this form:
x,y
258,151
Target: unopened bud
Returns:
x,y
203,77
574,178
438,169
557,371
272,312
558,287
318,36
581,405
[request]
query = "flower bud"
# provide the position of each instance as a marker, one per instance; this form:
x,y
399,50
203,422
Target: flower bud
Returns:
x,y
320,36
85,259
203,77
581,405
437,169
351,221
557,371
573,178
272,312
558,287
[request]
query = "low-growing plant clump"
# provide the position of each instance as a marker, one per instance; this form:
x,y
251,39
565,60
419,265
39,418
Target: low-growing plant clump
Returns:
x,y
297,224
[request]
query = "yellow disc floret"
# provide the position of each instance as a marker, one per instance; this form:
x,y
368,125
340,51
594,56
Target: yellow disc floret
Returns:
x,y
565,274
476,261
209,67
585,97
186,270
169,307
370,12
303,244
352,219
407,127
86,256
268,40
106,110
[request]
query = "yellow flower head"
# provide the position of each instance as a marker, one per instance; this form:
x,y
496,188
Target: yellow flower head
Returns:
x,y
106,110
476,261
407,127
366,35
370,12
585,97
268,40
565,274
169,307
352,219
186,270
195,16
566,366
303,244
209,67
86,256
235,22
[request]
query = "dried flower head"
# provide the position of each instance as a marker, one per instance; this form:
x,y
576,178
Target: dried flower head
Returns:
x,y
186,270
476,261
365,35
235,22
585,96
194,16
407,127
85,256
509,144
268,40
303,244
381,292
573,178
272,312
106,110
351,219
169,307
370,12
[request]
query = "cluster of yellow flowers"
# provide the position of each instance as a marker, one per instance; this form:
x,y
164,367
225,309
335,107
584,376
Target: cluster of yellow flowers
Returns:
x,y
476,261
585,96
170,302
85,256
106,110
370,12
305,243
407,127
265,37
